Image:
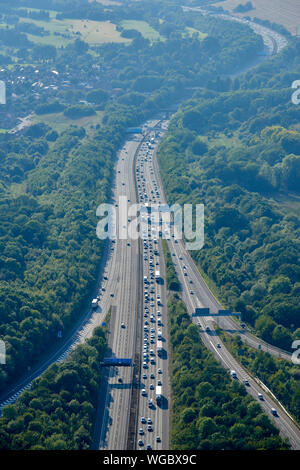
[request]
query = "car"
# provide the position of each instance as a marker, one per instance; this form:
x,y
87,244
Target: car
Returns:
x,y
260,396
149,427
145,365
274,412
141,442
149,421
191,281
233,374
191,292
159,371
151,386
158,439
122,325
152,376
218,345
144,393
159,383
246,382
150,403
141,431
144,376
148,447
143,420
112,294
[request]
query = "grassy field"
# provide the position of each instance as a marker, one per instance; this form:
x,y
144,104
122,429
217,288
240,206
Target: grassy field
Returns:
x,y
144,28
285,12
59,122
92,32
192,31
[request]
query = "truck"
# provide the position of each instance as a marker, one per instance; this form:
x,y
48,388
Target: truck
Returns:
x,y
157,276
159,347
94,303
158,394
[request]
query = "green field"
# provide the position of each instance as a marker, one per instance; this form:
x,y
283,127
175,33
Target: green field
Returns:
x,y
92,32
59,122
192,31
144,28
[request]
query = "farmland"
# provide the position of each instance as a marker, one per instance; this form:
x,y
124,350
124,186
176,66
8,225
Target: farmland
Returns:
x,y
62,32
286,13
143,27
59,122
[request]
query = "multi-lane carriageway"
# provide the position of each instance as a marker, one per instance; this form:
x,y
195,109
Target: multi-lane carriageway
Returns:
x,y
121,291
130,261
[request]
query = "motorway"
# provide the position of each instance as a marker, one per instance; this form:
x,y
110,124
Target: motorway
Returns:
x,y
124,280
152,417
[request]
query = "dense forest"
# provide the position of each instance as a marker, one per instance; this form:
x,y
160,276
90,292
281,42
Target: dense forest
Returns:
x,y
238,152
58,412
210,410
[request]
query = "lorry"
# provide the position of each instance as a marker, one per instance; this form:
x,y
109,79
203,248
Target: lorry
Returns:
x,y
94,303
159,347
158,394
